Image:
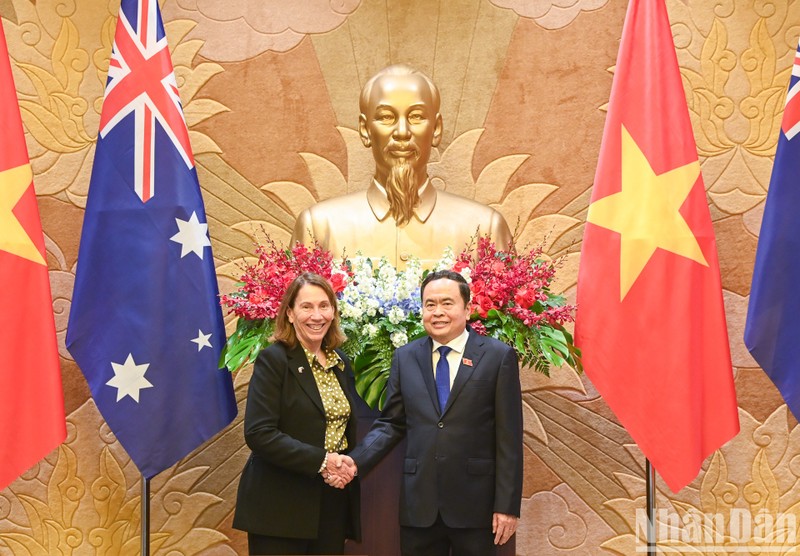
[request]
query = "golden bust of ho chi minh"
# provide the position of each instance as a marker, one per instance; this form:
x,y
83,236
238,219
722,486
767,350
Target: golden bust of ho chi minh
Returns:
x,y
401,214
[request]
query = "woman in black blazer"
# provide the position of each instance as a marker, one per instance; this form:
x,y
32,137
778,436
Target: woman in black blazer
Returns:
x,y
298,420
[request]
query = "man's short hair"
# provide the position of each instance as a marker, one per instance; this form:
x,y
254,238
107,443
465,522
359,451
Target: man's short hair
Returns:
x,y
397,69
463,286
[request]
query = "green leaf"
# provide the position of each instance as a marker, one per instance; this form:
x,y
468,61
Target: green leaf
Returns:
x,y
244,345
555,334
377,390
519,344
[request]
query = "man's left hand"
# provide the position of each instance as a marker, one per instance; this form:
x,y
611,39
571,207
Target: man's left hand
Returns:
x,y
503,527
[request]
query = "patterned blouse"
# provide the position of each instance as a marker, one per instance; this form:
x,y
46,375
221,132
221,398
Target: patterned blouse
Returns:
x,y
337,408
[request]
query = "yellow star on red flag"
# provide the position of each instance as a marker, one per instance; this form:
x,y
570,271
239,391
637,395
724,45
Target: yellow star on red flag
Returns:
x,y
13,237
32,420
646,213
650,321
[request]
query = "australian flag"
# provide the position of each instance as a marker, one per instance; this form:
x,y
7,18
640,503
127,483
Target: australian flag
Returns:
x,y
772,332
145,325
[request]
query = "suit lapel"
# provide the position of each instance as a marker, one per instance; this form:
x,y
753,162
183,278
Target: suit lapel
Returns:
x,y
300,368
424,356
473,351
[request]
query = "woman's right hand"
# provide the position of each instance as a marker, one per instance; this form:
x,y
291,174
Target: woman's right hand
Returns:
x,y
339,470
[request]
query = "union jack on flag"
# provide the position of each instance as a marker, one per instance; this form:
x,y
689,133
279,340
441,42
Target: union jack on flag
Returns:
x,y
141,80
145,325
773,314
791,115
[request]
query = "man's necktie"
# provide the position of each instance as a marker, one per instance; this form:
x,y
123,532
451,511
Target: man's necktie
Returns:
x,y
443,377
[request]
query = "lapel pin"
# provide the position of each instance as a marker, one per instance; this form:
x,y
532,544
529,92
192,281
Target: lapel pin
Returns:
x,y
467,362
300,369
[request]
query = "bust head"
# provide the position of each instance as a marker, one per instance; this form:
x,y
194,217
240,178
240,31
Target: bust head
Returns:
x,y
400,122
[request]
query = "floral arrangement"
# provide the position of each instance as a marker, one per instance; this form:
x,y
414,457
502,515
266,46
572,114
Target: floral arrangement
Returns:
x,y
511,301
261,289
380,310
380,306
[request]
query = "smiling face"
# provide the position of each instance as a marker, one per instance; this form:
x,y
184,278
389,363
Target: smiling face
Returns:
x,y
311,316
444,313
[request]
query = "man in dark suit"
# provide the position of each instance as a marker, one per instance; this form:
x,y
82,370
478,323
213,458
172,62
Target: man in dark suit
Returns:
x,y
456,396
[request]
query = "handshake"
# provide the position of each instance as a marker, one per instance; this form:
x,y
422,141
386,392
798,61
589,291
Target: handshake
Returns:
x,y
339,470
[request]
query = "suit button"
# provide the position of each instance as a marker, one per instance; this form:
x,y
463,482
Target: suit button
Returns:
x,y
404,257
441,425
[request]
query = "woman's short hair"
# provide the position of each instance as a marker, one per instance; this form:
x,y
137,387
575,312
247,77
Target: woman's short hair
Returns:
x,y
284,331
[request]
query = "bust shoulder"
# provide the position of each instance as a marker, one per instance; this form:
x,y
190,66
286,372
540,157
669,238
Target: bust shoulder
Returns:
x,y
335,205
330,221
451,199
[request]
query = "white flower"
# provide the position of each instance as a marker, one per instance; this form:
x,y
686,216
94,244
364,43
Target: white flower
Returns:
x,y
466,272
371,307
386,272
370,330
362,272
396,314
404,290
399,338
412,281
447,261
361,264
367,288
352,311
386,293
413,264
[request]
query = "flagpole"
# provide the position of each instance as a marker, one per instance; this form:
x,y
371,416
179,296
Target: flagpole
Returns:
x,y
650,487
145,516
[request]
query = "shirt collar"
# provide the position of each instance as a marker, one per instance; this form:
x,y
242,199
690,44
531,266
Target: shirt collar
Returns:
x,y
332,359
379,203
456,344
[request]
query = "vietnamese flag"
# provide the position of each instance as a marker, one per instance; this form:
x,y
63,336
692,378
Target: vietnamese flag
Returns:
x,y
32,419
650,319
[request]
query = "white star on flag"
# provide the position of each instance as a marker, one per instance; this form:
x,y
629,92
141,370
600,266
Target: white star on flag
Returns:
x,y
192,235
202,340
129,378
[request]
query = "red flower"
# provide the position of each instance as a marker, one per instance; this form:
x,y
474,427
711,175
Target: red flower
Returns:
x,y
338,281
512,282
264,282
478,327
483,304
525,297
255,298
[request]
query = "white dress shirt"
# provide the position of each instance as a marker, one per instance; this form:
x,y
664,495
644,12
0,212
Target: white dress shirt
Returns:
x,y
456,346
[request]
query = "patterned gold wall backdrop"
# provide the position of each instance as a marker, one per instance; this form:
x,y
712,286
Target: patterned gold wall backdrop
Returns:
x,y
270,93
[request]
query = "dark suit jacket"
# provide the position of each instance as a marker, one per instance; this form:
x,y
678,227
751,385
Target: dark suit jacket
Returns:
x,y
284,426
464,462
